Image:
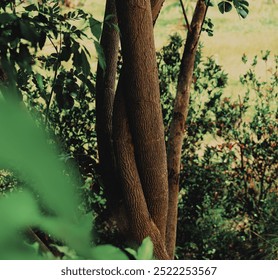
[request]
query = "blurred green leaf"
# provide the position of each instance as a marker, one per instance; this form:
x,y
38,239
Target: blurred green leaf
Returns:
x,y
108,252
101,56
145,251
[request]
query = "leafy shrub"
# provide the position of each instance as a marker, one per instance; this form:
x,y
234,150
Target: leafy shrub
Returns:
x,y
228,198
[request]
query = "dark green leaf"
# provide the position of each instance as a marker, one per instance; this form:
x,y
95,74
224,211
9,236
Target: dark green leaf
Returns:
x,y
243,12
42,39
65,101
85,63
65,54
7,18
95,26
39,81
31,7
28,32
108,17
225,7
101,57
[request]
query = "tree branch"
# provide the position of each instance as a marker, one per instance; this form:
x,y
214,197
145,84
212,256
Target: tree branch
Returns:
x,y
185,16
105,94
177,126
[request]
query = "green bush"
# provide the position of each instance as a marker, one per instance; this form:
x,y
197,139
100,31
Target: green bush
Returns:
x,y
228,199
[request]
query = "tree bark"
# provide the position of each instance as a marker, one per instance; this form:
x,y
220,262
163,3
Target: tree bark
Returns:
x,y
140,221
105,94
156,8
177,127
142,99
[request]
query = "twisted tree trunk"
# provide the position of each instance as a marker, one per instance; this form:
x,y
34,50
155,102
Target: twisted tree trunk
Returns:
x,y
149,189
144,147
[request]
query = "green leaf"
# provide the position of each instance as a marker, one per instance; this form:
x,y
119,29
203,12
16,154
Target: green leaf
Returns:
x,y
65,101
39,81
85,64
243,11
145,251
65,54
31,8
225,7
116,27
108,252
95,26
7,18
209,3
28,32
245,3
17,211
101,56
35,162
132,252
42,39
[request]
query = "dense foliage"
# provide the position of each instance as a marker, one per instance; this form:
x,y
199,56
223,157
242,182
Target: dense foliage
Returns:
x,y
228,198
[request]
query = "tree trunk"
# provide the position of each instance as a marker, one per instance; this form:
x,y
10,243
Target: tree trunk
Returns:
x,y
105,93
142,211
140,222
142,97
177,127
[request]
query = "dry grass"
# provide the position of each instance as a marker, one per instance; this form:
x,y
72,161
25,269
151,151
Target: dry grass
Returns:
x,y
232,36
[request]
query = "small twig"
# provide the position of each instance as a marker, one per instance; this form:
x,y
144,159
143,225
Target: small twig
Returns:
x,y
265,240
240,111
185,16
52,43
35,238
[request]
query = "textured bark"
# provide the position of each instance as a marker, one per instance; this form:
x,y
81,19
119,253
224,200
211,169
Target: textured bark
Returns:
x,y
142,99
156,7
105,93
177,127
141,224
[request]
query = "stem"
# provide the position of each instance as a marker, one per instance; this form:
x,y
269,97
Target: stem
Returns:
x,y
177,126
242,168
185,16
35,238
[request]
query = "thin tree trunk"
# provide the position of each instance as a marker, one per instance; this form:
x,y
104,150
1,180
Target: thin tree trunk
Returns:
x,y
177,127
142,99
105,93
